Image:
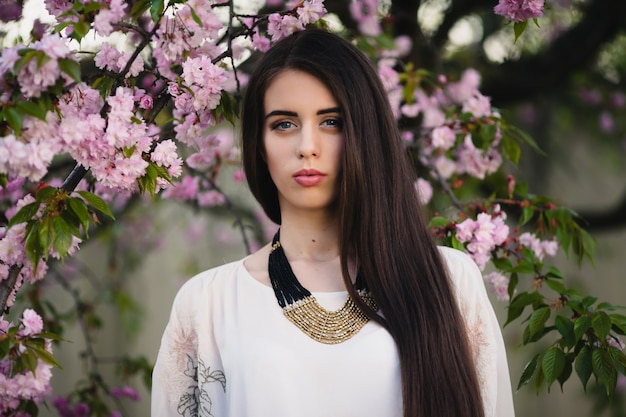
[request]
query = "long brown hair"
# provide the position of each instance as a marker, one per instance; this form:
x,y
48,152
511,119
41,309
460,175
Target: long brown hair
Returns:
x,y
381,222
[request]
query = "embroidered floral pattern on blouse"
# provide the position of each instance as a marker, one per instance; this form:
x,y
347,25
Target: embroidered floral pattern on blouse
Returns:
x,y
196,401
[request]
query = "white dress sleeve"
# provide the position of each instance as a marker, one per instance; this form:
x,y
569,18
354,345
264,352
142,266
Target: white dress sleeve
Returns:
x,y
179,379
484,333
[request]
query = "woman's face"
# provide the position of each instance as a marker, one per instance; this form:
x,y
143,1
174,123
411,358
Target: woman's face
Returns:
x,y
303,141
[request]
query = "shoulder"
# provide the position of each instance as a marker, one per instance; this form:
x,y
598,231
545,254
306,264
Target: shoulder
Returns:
x,y
465,277
458,263
205,282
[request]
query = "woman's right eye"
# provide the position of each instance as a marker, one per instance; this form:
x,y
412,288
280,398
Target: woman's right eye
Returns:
x,y
283,125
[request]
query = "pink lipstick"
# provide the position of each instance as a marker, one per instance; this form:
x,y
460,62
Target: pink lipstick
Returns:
x,y
308,177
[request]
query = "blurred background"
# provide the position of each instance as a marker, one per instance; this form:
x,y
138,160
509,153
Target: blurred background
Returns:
x,y
563,82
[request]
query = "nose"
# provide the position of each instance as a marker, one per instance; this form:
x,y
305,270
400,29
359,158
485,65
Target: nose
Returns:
x,y
309,143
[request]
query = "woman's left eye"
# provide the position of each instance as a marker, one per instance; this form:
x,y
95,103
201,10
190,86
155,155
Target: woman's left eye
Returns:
x,y
336,123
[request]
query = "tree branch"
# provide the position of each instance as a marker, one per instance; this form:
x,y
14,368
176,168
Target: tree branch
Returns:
x,y
550,69
605,220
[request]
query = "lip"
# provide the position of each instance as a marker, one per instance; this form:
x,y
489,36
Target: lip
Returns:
x,y
308,177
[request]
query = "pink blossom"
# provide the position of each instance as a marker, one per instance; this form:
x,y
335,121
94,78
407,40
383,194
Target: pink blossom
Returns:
x,y
108,58
424,190
443,137
211,198
107,17
465,88
519,10
164,153
478,105
475,162
239,176
125,392
35,78
135,68
33,324
365,13
145,102
186,189
259,42
311,11
388,75
539,247
498,284
482,236
607,123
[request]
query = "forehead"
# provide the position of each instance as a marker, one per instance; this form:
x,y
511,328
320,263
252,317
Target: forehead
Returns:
x,y
297,88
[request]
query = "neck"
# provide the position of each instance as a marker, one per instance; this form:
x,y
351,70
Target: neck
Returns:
x,y
309,237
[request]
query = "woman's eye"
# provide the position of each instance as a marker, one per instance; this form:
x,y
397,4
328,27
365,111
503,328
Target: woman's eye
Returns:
x,y
335,123
282,126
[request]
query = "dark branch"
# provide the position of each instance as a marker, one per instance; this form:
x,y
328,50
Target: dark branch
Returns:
x,y
605,220
550,70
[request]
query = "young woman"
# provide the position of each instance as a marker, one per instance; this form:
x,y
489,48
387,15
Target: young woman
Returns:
x,y
352,309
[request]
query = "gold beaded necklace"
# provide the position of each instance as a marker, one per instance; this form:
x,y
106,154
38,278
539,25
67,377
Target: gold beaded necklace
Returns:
x,y
303,310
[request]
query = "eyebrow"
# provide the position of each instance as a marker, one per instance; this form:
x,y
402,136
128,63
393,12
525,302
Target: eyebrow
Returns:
x,y
294,114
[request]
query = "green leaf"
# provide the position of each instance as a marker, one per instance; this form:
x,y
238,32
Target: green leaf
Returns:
x,y
604,369
70,67
195,16
556,286
511,150
552,364
24,214
527,214
46,193
566,329
503,264
619,321
554,272
519,28
524,267
97,203
79,208
46,235
601,323
456,244
581,325
139,8
529,371
47,357
512,284
14,119
63,240
519,303
80,29
29,361
31,108
588,301
566,372
33,249
438,221
537,320
104,84
156,9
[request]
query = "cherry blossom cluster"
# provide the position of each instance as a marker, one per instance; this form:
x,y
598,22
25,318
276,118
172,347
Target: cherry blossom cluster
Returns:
x,y
25,385
13,252
365,13
519,10
449,114
483,235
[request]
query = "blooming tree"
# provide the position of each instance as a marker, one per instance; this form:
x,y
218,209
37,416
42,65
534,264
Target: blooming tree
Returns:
x,y
85,132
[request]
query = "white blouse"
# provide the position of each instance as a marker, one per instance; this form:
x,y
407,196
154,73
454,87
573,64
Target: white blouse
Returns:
x,y
228,351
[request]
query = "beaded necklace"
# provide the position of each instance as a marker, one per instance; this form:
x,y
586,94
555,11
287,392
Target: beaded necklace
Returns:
x,y
303,310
